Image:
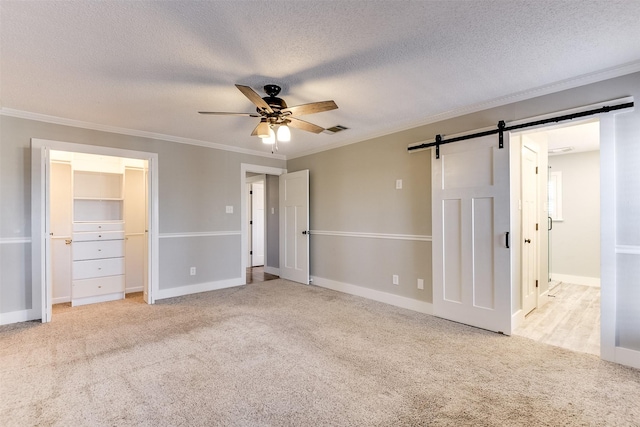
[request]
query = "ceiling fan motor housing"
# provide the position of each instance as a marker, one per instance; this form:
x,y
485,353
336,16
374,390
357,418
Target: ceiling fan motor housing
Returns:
x,y
272,99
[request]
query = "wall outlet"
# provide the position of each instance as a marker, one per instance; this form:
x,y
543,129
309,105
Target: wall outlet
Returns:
x,y
229,209
398,184
192,271
273,210
396,279
420,284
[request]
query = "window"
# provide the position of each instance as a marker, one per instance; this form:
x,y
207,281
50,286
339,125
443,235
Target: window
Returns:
x,y
555,196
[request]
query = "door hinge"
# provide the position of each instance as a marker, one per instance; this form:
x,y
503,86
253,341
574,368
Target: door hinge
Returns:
x,y
251,192
536,226
536,170
251,253
536,283
250,222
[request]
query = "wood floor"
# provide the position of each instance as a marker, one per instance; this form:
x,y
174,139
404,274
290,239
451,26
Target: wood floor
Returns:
x,y
570,319
257,274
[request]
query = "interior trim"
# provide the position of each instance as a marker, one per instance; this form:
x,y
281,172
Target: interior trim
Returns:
x,y
199,234
14,240
9,112
412,237
628,249
372,294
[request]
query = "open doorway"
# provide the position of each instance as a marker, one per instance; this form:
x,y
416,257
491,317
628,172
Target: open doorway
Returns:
x,y
561,259
96,206
260,219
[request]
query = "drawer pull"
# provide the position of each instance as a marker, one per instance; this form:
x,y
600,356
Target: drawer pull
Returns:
x,y
99,235
99,268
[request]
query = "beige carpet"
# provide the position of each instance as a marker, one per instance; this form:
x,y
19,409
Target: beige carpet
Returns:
x,y
282,354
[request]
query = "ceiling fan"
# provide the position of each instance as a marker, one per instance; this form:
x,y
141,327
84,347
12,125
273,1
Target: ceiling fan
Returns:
x,y
274,112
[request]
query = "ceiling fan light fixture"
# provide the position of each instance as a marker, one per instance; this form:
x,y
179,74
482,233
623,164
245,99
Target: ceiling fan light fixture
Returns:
x,y
271,138
263,131
284,133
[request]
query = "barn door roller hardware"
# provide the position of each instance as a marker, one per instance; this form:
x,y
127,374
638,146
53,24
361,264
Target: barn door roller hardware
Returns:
x,y
502,128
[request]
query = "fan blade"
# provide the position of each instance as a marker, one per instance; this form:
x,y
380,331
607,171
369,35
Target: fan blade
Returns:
x,y
254,97
219,113
302,125
314,107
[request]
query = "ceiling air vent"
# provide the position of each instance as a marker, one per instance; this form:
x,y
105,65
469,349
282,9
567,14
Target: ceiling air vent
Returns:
x,y
335,129
560,150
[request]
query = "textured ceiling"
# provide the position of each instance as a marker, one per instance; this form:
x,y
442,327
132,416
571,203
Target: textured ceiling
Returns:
x,y
389,65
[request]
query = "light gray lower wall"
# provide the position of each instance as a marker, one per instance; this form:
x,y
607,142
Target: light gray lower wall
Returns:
x,y
273,224
195,184
348,259
215,258
575,241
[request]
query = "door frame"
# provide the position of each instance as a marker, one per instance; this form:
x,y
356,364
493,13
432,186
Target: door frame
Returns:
x,y
608,287
40,217
244,168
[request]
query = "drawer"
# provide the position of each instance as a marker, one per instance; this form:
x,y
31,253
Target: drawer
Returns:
x,y
94,287
98,249
97,268
98,235
98,226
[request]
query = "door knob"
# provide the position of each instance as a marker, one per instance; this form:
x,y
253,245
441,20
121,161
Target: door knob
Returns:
x,y
527,240
305,232
67,241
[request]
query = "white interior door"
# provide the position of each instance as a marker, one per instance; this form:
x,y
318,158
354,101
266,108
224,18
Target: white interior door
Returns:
x,y
294,226
257,224
60,229
471,261
529,242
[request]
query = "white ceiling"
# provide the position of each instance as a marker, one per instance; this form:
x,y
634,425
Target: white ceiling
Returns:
x,y
389,65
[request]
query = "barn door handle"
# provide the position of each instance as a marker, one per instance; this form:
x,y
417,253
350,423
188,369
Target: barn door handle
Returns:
x,y
506,239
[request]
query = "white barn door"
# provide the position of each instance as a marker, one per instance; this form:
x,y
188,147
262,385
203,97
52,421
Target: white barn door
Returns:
x,y
471,270
294,226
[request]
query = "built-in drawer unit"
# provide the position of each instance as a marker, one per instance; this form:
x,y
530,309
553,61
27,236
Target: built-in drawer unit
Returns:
x,y
98,226
98,249
96,287
98,235
97,268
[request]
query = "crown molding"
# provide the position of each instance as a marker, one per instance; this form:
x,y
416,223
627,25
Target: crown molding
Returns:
x,y
570,83
131,132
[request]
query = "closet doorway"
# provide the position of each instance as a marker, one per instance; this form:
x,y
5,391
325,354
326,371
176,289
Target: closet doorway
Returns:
x,y
96,208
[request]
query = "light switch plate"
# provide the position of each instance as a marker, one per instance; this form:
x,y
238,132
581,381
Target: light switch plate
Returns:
x,y
229,209
398,184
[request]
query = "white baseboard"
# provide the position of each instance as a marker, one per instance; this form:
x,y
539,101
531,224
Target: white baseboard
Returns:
x,y
397,300
18,316
197,288
133,289
625,356
60,300
272,270
577,280
516,319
